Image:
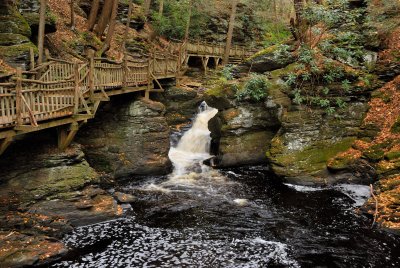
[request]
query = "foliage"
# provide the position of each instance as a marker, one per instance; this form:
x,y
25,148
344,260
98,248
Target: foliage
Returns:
x,y
254,89
173,21
331,44
227,72
275,33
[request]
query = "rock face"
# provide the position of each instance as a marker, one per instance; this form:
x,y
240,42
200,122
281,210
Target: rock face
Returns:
x,y
45,193
308,139
14,35
128,137
181,104
246,133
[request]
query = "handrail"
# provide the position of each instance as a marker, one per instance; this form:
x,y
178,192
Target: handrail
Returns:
x,y
62,87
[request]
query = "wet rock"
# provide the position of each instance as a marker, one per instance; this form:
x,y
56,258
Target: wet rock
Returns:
x,y
128,137
308,139
19,250
124,198
243,134
264,61
101,208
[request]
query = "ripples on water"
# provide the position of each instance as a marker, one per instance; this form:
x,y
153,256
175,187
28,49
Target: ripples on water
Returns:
x,y
236,218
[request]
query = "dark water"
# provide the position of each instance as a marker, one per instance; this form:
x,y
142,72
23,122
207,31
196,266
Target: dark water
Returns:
x,y
236,218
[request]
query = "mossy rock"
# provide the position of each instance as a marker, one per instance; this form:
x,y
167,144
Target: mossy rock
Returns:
x,y
396,126
9,39
340,163
392,155
17,51
309,161
375,153
33,21
14,23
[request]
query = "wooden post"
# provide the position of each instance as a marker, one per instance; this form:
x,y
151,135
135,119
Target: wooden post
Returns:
x,y
91,73
4,143
149,79
125,70
32,58
76,95
18,92
66,135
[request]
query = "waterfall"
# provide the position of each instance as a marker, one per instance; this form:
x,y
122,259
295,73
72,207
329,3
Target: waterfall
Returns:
x,y
194,146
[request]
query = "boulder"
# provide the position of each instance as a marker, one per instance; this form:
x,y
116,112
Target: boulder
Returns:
x,y
128,137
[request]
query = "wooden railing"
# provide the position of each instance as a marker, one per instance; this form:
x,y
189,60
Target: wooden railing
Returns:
x,y
66,88
60,88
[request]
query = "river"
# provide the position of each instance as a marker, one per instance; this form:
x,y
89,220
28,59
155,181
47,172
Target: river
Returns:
x,y
241,217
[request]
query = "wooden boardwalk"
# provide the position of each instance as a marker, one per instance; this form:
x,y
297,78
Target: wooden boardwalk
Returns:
x,y
66,94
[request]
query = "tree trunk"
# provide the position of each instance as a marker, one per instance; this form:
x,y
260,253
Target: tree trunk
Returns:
x,y
104,17
72,15
298,7
146,7
161,8
111,27
230,32
93,14
188,21
42,21
128,22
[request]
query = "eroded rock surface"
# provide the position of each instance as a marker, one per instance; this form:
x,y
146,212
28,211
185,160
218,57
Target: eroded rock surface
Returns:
x,y
128,137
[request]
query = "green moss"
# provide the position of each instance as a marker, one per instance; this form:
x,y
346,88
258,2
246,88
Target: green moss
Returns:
x,y
340,163
33,18
392,155
376,152
222,88
263,52
17,50
310,160
14,23
8,39
396,126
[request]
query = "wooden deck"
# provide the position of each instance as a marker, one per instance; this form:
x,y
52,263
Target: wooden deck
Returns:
x,y
66,94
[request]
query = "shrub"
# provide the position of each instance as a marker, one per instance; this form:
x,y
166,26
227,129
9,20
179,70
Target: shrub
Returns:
x,y
254,89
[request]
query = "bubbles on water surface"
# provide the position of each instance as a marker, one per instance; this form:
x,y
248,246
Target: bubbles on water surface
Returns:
x,y
134,245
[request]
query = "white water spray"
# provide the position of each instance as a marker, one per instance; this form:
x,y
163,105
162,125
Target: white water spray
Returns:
x,y
194,146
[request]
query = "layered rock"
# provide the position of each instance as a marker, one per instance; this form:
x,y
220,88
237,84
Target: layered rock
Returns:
x,y
14,35
128,137
43,195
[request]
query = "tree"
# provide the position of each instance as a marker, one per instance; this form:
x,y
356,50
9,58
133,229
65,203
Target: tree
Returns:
x,y
146,7
111,26
42,21
104,17
188,21
230,32
72,14
161,8
93,14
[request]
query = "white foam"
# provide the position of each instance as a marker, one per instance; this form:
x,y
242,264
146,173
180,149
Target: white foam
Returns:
x,y
358,193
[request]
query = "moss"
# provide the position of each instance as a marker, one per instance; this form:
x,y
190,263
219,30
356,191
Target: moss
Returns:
x,y
263,52
14,23
392,155
33,18
222,89
17,50
340,163
312,159
396,126
8,39
376,152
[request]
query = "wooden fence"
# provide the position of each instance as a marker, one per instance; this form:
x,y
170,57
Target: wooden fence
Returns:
x,y
61,88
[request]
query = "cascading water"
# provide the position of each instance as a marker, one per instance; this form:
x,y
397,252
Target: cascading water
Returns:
x,y
194,146
201,217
